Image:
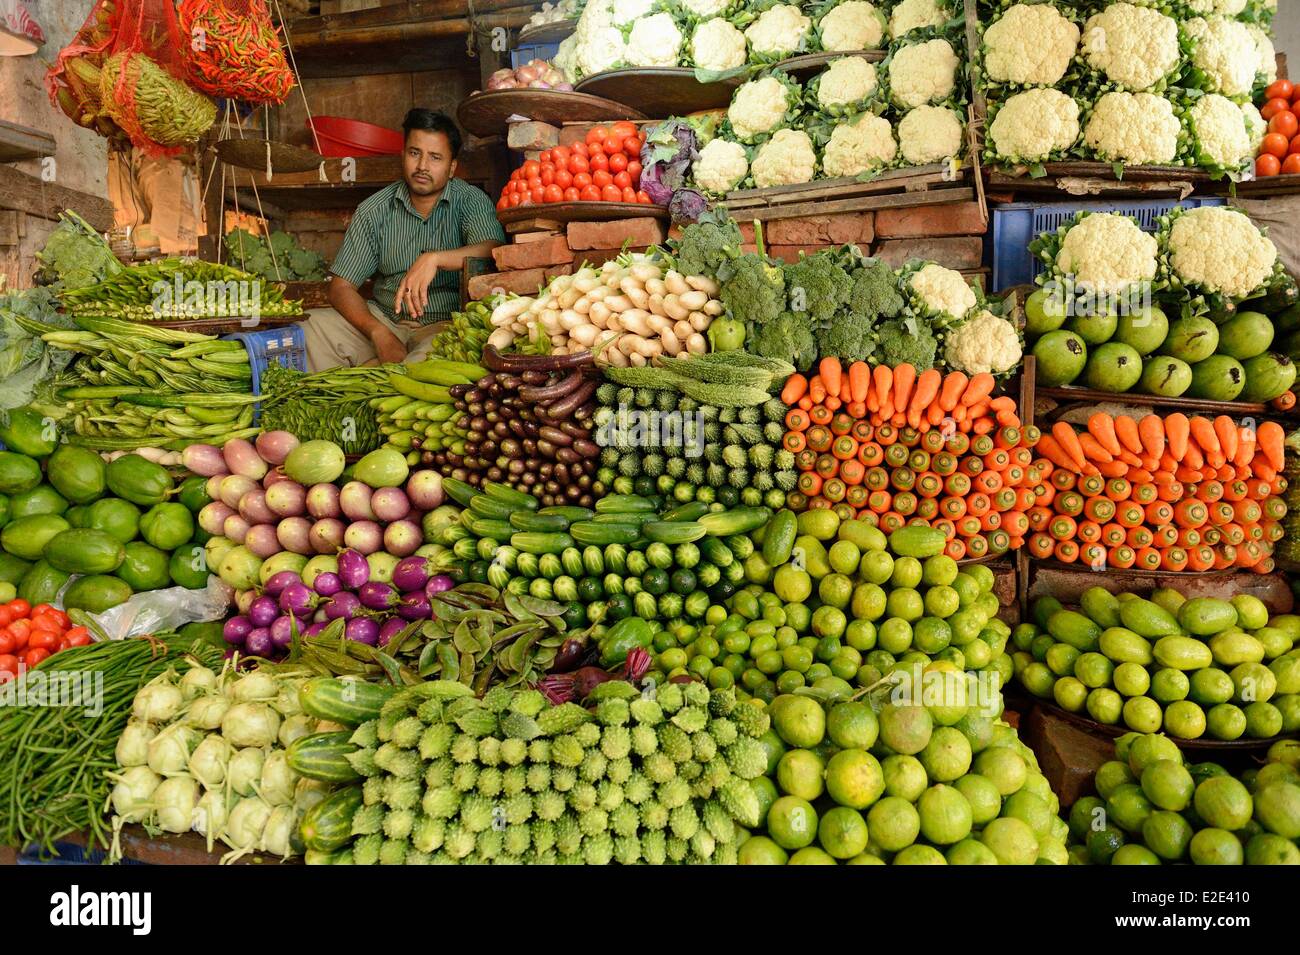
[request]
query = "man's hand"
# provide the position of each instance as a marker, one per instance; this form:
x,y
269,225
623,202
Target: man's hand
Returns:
x,y
413,292
388,346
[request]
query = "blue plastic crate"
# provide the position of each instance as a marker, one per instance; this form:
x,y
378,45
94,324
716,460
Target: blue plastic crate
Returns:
x,y
67,853
286,346
1016,224
533,51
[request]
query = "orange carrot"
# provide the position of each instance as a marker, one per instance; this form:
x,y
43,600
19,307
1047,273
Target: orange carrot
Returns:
x,y
1126,430
859,381
806,402
953,386
830,370
858,409
1202,430
1271,441
1227,434
904,378
1102,427
887,409
1050,449
1178,429
934,415
1069,442
816,390
979,388
1003,403
1110,469
1094,451
1194,458
846,390
923,394
1142,476
1152,432
1246,440
796,386
883,380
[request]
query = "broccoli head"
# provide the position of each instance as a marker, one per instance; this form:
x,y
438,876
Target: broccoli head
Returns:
x,y
902,342
851,338
818,285
787,337
706,244
875,291
753,290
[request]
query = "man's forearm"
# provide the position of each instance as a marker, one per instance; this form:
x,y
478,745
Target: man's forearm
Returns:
x,y
348,302
453,260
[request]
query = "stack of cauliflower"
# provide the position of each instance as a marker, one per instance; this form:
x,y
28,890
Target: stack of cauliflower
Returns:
x,y
1126,82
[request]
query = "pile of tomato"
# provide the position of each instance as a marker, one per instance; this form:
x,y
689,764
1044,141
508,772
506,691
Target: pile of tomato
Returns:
x,y
1279,153
30,634
606,167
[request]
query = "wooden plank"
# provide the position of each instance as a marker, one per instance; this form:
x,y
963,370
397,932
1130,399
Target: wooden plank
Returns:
x,y
894,179
28,193
898,200
22,142
1073,395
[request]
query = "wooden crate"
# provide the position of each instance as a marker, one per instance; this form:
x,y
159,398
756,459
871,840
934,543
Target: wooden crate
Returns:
x,y
915,186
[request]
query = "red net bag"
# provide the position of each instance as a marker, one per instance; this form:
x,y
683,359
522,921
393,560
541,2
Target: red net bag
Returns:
x,y
234,50
73,81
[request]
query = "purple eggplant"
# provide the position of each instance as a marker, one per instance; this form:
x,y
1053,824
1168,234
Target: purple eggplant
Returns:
x,y
377,596
282,631
415,606
259,643
298,600
313,630
354,569
344,605
262,611
411,573
389,629
362,630
438,583
327,583
237,629
276,583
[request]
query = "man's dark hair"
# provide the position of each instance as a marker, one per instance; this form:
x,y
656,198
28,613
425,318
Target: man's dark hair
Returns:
x,y
432,121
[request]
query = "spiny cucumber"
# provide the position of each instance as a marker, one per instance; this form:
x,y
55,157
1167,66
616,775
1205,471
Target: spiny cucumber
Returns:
x,y
724,396
716,373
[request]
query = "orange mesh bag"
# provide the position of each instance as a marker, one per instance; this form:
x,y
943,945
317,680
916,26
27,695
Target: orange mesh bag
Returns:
x,y
234,50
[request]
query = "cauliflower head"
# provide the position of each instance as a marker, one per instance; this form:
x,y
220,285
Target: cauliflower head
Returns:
x,y
1256,127
942,290
626,12
847,81
986,344
655,40
1135,47
1220,128
1107,253
779,30
912,15
1135,128
923,73
1031,44
1032,125
852,25
566,58
785,159
865,144
1265,51
1227,8
717,45
1225,54
602,49
759,106
1220,250
722,166
705,8
930,134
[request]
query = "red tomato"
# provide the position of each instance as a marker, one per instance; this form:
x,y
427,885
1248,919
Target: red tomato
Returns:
x,y
597,134
582,180
514,199
601,178
634,170
6,616
572,194
21,631
590,194
643,198
6,677
42,608
1295,145
7,642
611,193
503,203
20,607
1274,106
578,164
1291,165
537,193
8,663
632,146
563,178
526,199
60,616
552,193
617,162
598,161
1280,89
623,180
1284,123
548,174
579,148
1267,165
534,182
78,639
531,168
628,194
599,149
622,129
1274,144
34,657
74,632
47,623
43,640
546,156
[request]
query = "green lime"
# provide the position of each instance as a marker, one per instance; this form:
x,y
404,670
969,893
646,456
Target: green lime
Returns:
x,y
811,856
852,725
1269,849
1103,844
1038,679
1111,775
828,621
1170,686
835,590
1168,785
941,601
1252,614
1087,813
1070,694
1060,659
1134,854
1011,840
791,584
1263,720
797,658
1003,767
1128,807
876,567
766,792
842,832
967,587
940,570
904,777
984,799
906,604
1093,670
1223,802
860,635
1041,646
1167,834
1105,705
895,636
905,729
1185,720
799,720
1052,852
1277,808
1225,721
947,756
931,634
920,855
1216,847
945,815
893,823
792,822
854,778
799,773
970,852
1143,714
844,557
978,654
966,625
1131,679
760,850
1143,750
907,572
1031,809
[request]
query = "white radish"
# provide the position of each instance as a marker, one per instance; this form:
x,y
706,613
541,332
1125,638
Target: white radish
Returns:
x,y
656,287
637,360
569,319
700,322
598,314
713,307
501,338
636,321
638,296
702,283
676,284
628,344
674,309
586,284
583,305
658,323
670,343
617,358
694,300
568,297
618,303
656,304
585,335
644,272
650,348
598,294
682,329
696,344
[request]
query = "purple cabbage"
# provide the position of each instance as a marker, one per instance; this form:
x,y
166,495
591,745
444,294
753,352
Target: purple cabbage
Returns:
x,y
666,157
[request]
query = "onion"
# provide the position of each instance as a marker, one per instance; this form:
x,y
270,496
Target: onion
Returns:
x,y
354,498
402,538
294,534
236,629
327,584
261,539
326,535
235,528
282,631
389,629
285,499
343,604
365,537
362,630
390,504
377,596
274,446
263,610
415,607
204,460
212,517
424,490
323,501
353,569
242,458
565,87
253,508
528,73
411,573
276,583
259,643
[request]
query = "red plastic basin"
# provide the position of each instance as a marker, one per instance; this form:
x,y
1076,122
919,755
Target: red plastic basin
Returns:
x,y
351,137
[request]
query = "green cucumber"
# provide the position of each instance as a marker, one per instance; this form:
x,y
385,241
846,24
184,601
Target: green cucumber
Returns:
x,y
328,824
716,551
571,558
593,561
614,503
525,520
686,512
550,567
624,517
489,507
534,542
323,756
589,532
459,491
673,532
738,520
350,702
571,511
778,541
489,527
508,495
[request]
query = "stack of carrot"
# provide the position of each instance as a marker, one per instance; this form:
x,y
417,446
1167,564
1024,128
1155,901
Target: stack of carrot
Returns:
x,y
892,447
1164,493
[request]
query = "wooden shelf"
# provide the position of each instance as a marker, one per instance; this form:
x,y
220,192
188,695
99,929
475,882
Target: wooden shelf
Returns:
x,y
1238,409
22,142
